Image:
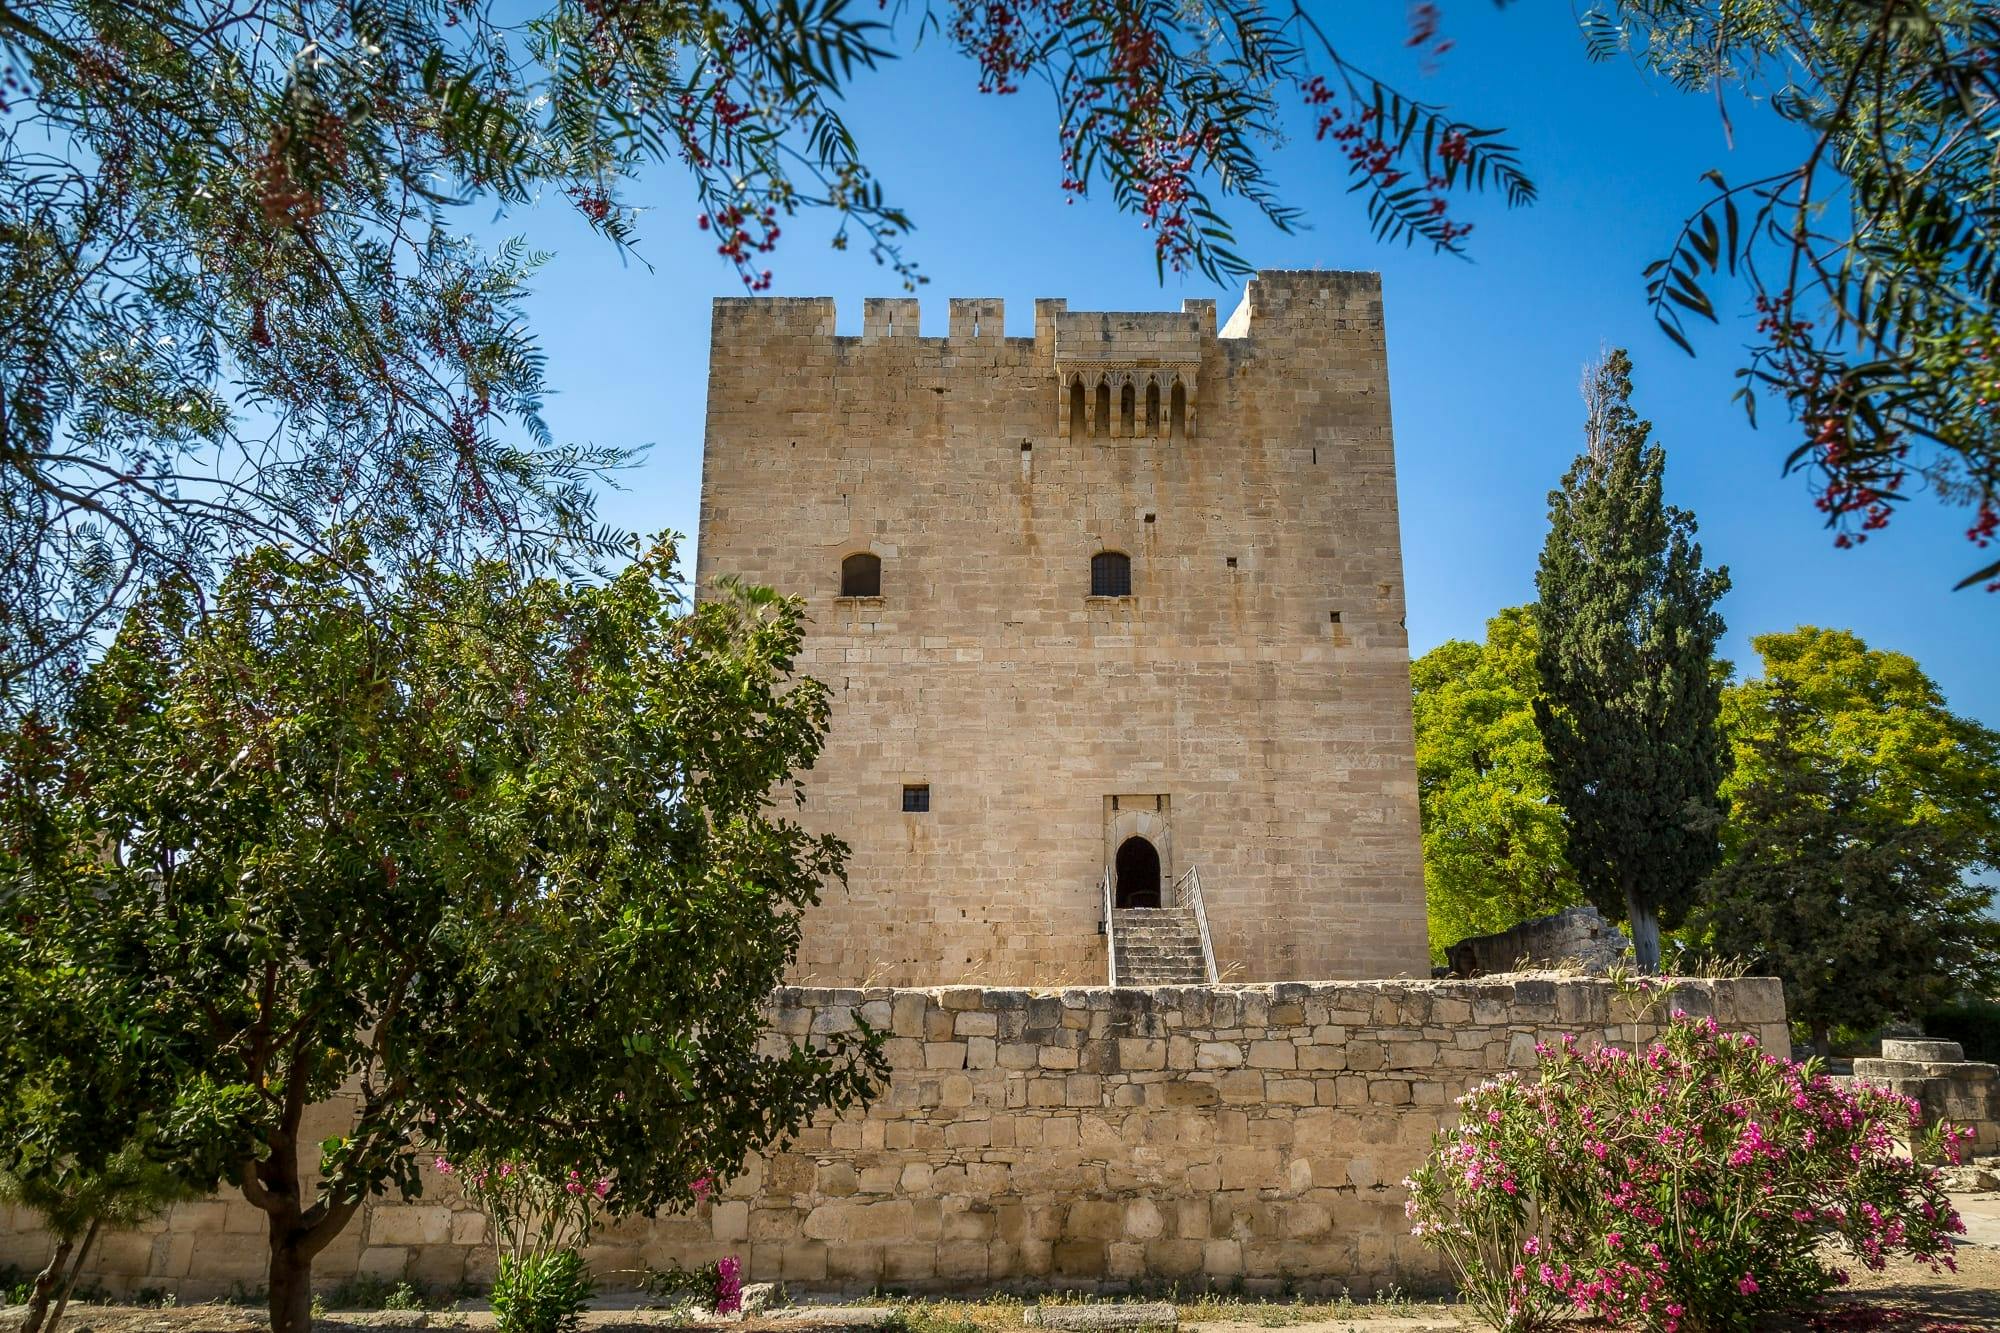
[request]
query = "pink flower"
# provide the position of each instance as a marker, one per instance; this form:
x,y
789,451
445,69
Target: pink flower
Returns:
x,y
442,1166
728,1284
1747,1285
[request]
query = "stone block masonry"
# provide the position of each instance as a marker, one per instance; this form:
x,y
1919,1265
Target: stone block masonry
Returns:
x,y
1091,1139
1946,1086
1002,724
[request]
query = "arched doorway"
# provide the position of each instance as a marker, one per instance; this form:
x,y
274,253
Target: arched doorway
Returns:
x,y
1136,871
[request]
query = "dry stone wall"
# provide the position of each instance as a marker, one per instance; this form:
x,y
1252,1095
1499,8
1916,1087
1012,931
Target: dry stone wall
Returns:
x,y
1077,1139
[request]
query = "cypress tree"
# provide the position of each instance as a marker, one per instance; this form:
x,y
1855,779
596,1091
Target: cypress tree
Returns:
x,y
1630,691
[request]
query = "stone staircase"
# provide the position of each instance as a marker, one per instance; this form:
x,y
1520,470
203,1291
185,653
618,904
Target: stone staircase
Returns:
x,y
1158,946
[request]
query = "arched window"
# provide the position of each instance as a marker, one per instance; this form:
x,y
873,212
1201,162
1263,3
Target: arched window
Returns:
x,y
861,575
1152,408
1100,418
1111,574
1076,408
1125,411
1177,424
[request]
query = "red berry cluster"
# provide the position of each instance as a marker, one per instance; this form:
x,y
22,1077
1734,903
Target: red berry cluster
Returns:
x,y
1863,478
733,225
1425,21
1776,318
592,202
996,36
1375,160
748,223
1986,527
1853,488
1124,111
1131,117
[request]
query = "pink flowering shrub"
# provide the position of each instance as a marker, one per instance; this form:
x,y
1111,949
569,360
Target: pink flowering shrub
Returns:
x,y
717,1287
728,1285
540,1284
1685,1188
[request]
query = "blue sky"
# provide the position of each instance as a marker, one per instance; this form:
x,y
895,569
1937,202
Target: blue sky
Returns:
x,y
1484,356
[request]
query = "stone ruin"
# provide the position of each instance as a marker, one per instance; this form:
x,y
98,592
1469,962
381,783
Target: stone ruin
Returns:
x,y
1575,936
1946,1086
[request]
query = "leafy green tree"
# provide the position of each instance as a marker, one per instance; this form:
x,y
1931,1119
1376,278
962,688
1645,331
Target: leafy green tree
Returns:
x,y
84,1100
1627,629
1493,833
1877,710
1862,811
500,861
1865,912
76,1207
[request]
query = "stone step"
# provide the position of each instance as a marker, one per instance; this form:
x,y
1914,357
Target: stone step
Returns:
x,y
1940,1052
1158,946
1187,976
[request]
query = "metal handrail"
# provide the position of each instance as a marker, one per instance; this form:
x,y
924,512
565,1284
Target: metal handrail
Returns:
x,y
1110,939
1187,890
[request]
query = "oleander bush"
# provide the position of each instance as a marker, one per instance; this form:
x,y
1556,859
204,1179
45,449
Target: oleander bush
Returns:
x,y
540,1223
1698,1185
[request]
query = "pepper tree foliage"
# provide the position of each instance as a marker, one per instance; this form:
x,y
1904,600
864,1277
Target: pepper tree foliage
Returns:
x,y
1872,264
1493,833
1861,810
237,305
500,856
1626,628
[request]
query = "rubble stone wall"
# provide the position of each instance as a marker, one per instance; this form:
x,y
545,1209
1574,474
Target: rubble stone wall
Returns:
x,y
1579,936
1076,1139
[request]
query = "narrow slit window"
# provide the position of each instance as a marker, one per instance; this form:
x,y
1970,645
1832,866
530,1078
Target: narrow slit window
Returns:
x,y
1076,414
1177,404
1100,421
1126,400
1152,407
916,798
1111,574
861,575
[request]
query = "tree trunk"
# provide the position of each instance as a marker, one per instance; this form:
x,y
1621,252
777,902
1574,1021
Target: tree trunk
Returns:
x,y
1822,1039
291,1282
1645,932
45,1286
75,1271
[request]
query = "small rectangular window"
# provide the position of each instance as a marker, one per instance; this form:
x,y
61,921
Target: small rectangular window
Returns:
x,y
917,799
1110,574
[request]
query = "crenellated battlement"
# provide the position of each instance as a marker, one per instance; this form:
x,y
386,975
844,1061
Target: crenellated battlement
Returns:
x,y
1109,373
1275,299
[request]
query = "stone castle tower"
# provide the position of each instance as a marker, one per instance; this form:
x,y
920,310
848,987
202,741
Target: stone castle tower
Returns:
x,y
1097,608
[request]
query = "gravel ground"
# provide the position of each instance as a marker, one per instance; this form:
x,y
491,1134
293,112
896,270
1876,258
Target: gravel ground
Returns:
x,y
1905,1298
